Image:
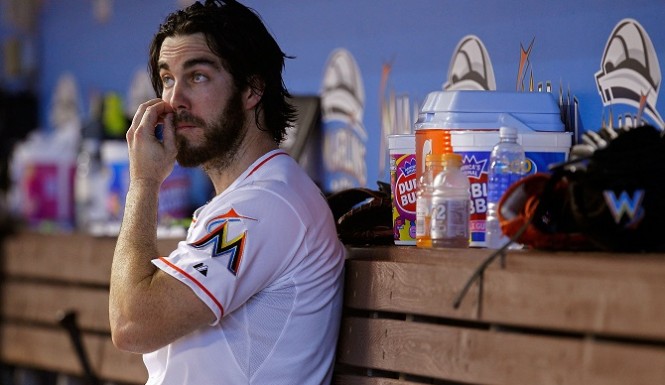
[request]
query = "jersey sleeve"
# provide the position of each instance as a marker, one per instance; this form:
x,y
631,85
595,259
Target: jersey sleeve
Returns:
x,y
236,247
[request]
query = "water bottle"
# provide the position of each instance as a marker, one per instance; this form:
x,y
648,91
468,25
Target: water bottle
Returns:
x,y
507,166
451,203
433,165
90,204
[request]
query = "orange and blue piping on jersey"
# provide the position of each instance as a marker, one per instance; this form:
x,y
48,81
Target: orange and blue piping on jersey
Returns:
x,y
218,230
196,282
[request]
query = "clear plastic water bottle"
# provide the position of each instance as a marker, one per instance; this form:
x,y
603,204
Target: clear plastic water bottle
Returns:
x,y
507,166
450,205
433,165
89,187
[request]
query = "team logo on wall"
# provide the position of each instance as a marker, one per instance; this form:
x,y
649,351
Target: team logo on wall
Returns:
x,y
630,75
65,109
344,136
140,91
470,67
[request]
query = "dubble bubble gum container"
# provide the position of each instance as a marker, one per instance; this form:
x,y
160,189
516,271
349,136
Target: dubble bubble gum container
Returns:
x,y
403,186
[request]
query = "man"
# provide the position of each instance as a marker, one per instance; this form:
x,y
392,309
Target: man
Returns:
x,y
253,296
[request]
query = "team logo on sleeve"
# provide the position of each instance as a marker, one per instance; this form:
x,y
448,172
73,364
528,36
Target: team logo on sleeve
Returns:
x,y
226,237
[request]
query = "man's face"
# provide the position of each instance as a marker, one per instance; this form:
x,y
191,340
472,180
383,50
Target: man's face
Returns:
x,y
209,112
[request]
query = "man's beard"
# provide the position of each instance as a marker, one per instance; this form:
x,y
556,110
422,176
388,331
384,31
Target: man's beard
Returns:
x,y
222,138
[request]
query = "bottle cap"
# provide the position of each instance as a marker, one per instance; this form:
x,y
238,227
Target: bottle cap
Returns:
x,y
434,157
507,132
453,159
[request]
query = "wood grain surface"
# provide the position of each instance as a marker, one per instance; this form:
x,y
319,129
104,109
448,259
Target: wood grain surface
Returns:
x,y
534,318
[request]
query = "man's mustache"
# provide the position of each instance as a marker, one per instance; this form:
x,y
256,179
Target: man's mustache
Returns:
x,y
185,117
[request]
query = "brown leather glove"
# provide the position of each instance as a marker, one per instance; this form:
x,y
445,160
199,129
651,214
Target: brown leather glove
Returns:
x,y
363,216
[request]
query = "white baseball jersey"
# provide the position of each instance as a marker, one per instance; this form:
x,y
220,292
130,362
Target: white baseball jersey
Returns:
x,y
265,257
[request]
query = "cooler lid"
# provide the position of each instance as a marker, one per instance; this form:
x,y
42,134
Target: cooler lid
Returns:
x,y
526,111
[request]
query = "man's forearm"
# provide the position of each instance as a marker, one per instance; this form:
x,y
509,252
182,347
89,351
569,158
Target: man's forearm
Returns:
x,y
137,244
138,233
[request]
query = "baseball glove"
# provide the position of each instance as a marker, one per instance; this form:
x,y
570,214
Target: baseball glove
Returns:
x,y
363,216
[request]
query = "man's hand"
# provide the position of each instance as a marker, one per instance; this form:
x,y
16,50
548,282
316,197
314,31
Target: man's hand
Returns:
x,y
149,158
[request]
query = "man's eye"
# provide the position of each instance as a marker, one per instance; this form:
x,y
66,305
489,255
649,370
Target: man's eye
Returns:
x,y
197,78
167,81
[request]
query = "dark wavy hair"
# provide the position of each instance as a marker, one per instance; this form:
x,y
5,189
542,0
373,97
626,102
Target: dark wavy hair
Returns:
x,y
247,50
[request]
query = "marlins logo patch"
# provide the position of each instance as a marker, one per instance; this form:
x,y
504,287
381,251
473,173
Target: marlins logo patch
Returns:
x,y
226,237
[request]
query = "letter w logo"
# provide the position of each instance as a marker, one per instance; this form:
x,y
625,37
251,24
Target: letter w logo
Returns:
x,y
220,246
625,204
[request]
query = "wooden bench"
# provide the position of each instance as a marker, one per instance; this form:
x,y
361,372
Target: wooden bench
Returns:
x,y
46,276
541,318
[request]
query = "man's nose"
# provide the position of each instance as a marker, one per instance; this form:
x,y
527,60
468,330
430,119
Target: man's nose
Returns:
x,y
177,96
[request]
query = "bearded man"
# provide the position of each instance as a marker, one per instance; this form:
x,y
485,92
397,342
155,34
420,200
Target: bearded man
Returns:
x,y
253,295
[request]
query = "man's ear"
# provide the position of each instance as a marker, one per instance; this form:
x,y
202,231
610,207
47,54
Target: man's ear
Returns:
x,y
253,93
